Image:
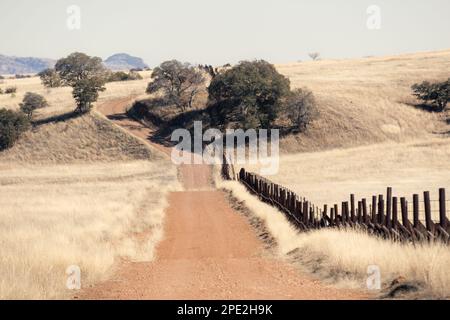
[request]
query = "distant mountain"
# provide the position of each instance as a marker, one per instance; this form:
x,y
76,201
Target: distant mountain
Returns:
x,y
19,65
123,61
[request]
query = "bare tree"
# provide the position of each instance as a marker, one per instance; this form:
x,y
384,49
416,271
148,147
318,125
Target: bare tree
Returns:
x,y
180,83
314,55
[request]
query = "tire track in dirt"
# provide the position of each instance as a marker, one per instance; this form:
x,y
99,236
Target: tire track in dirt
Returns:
x,y
208,251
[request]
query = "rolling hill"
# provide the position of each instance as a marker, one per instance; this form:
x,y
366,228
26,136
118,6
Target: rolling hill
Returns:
x,y
21,65
123,61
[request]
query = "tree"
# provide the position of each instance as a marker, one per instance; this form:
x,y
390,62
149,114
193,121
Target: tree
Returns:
x,y
438,93
300,108
12,125
85,92
31,102
50,78
180,83
86,75
314,55
250,93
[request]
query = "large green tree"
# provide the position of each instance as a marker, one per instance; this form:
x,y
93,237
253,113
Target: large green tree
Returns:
x,y
251,93
86,75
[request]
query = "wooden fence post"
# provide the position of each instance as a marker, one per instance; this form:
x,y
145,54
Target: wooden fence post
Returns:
x,y
395,212
427,204
416,210
442,209
360,212
343,213
404,208
352,207
305,212
336,214
374,209
381,209
389,208
364,208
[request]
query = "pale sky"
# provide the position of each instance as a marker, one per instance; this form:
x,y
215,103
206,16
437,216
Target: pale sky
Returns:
x,y
217,32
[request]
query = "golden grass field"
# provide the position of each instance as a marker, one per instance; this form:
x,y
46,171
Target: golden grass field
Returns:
x,y
369,135
79,192
366,101
60,99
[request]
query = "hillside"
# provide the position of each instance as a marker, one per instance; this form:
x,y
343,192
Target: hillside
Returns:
x,y
366,101
123,61
20,65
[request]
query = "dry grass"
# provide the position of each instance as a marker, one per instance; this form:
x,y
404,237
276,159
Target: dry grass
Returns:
x,y
85,139
80,192
329,177
342,257
85,215
60,99
367,100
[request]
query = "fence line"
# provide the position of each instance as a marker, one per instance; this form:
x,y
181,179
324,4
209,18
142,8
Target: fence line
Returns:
x,y
382,215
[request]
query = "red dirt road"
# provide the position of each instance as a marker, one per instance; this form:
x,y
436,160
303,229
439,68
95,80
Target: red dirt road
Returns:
x,y
208,251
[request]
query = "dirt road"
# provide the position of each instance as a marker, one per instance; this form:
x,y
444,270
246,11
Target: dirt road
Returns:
x,y
209,251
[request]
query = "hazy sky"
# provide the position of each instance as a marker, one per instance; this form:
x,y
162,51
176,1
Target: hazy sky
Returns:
x,y
217,32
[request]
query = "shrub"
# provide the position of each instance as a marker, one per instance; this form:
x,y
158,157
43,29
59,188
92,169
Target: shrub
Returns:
x,y
22,76
123,76
438,93
12,125
300,108
250,93
180,83
31,102
10,90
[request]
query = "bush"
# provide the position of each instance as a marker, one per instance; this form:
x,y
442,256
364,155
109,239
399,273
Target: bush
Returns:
x,y
123,76
31,102
22,76
12,125
250,93
10,90
300,108
438,93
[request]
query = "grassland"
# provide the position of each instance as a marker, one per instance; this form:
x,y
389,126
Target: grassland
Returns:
x,y
371,134
76,192
60,99
367,101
